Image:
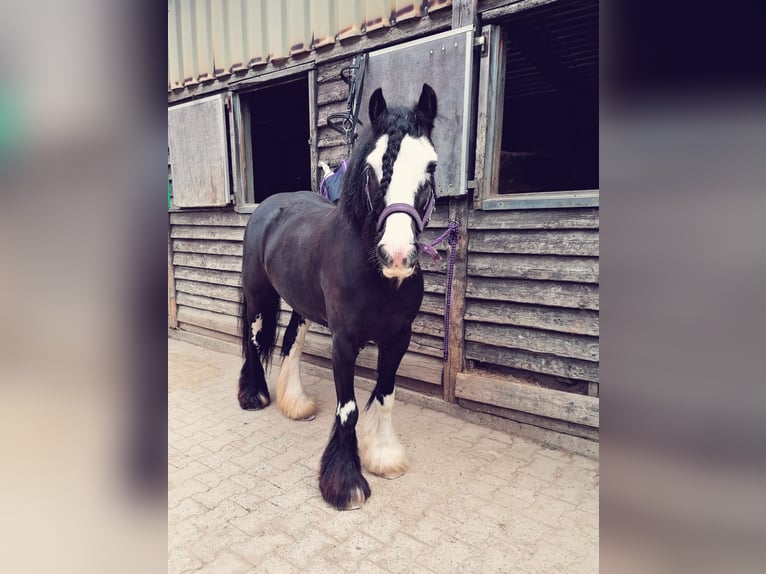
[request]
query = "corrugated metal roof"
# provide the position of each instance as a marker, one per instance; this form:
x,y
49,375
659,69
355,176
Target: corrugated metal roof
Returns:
x,y
209,39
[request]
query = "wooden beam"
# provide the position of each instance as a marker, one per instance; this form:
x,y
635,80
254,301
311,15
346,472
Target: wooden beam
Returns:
x,y
313,151
494,13
511,394
172,306
491,101
456,340
463,13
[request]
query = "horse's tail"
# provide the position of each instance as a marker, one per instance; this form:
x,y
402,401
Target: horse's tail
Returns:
x,y
244,324
266,336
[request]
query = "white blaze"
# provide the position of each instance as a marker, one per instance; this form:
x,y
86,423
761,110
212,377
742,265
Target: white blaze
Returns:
x,y
409,173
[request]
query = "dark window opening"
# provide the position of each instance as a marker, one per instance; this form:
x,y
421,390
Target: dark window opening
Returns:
x,y
279,138
550,117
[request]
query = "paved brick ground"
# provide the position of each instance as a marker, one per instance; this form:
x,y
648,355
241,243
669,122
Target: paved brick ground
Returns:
x,y
243,493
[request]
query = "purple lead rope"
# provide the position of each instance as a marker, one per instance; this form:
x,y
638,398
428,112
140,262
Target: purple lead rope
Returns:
x,y
452,231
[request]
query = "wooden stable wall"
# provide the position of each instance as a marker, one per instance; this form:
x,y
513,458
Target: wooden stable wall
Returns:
x,y
531,316
206,261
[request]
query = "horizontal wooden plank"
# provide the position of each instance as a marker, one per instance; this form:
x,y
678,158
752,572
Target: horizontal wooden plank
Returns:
x,y
207,246
414,366
223,292
206,261
433,304
217,217
207,342
229,278
512,394
209,304
221,232
326,110
543,200
434,282
209,320
571,437
573,295
576,321
331,91
427,345
553,242
534,340
546,267
584,218
234,340
533,362
330,72
428,325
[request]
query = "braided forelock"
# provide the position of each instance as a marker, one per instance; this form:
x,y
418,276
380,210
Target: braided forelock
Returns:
x,y
395,137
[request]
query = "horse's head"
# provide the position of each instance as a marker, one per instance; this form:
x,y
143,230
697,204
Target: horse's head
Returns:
x,y
401,181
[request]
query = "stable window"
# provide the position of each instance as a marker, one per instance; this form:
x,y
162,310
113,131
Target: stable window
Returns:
x,y
271,139
538,108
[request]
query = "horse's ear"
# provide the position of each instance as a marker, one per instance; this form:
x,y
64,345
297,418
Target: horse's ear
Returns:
x,y
427,103
377,105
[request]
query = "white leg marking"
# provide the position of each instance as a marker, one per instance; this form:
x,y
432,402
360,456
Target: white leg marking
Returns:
x,y
380,449
291,398
255,328
345,410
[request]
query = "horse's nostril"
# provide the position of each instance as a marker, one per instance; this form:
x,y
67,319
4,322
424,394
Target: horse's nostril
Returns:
x,y
382,254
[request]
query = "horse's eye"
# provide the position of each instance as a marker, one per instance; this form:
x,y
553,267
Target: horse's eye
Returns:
x,y
431,167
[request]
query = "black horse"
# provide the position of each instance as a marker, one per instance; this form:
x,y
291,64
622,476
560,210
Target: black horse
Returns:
x,y
353,268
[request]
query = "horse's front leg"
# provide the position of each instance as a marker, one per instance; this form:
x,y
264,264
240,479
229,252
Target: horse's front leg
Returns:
x,y
382,453
340,478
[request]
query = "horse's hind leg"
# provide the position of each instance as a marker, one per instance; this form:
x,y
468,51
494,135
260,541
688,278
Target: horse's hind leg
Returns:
x,y
259,327
291,398
381,451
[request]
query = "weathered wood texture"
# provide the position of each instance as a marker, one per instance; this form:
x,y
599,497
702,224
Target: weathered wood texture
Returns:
x,y
198,150
532,296
172,302
205,248
517,395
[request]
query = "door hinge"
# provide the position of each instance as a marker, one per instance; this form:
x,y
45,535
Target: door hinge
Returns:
x,y
481,41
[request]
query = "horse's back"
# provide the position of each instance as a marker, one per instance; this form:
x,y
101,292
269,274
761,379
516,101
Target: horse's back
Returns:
x,y
290,205
281,246
280,212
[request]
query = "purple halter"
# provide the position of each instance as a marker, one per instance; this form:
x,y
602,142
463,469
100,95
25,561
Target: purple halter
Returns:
x,y
409,210
403,208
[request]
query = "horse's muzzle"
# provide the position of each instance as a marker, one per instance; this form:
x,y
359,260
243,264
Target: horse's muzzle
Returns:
x,y
397,262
